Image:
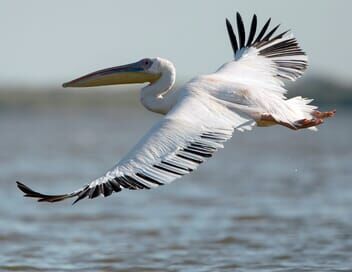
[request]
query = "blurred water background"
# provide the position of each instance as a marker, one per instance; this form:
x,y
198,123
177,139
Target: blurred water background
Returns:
x,y
272,200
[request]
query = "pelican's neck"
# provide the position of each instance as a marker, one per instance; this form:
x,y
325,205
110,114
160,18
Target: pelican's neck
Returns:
x,y
157,96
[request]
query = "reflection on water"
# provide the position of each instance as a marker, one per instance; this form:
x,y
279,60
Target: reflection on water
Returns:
x,y
272,200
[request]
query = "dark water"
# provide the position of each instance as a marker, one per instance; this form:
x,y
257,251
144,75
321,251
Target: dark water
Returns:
x,y
272,200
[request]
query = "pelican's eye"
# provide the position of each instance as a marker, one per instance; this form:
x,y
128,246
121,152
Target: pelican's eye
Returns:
x,y
146,63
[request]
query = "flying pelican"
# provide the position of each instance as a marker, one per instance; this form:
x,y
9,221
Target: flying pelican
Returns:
x,y
202,114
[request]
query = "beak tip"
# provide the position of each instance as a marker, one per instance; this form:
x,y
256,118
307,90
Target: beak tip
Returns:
x,y
65,85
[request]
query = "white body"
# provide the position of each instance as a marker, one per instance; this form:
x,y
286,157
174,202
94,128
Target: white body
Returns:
x,y
204,112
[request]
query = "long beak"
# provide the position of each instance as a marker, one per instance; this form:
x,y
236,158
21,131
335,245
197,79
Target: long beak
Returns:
x,y
125,74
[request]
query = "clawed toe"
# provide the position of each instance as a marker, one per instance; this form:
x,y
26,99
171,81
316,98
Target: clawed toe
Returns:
x,y
306,123
325,114
319,119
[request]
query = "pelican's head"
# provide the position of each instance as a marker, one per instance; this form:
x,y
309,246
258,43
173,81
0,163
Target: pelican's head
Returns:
x,y
145,70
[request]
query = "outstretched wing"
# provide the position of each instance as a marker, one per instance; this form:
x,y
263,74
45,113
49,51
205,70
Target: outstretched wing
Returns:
x,y
175,146
263,60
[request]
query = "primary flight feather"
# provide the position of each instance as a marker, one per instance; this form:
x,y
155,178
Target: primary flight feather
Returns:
x,y
202,114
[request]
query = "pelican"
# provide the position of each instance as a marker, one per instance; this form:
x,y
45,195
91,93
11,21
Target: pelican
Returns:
x,y
200,116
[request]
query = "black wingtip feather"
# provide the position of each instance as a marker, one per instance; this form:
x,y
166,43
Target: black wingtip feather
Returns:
x,y
262,32
281,35
241,30
28,192
83,194
252,31
267,37
95,192
232,36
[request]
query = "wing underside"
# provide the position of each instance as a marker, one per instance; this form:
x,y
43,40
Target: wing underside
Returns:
x,y
185,138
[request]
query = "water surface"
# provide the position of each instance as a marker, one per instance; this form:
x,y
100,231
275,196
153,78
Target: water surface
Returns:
x,y
272,200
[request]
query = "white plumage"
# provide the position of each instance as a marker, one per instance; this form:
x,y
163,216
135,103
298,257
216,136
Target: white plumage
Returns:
x,y
203,113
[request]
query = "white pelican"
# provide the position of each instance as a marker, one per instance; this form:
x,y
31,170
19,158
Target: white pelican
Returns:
x,y
202,114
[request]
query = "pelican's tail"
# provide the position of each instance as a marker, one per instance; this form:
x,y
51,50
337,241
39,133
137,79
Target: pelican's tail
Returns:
x,y
28,192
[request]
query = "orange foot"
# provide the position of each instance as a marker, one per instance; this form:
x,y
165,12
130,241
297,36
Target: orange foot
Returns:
x,y
300,124
306,123
325,114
